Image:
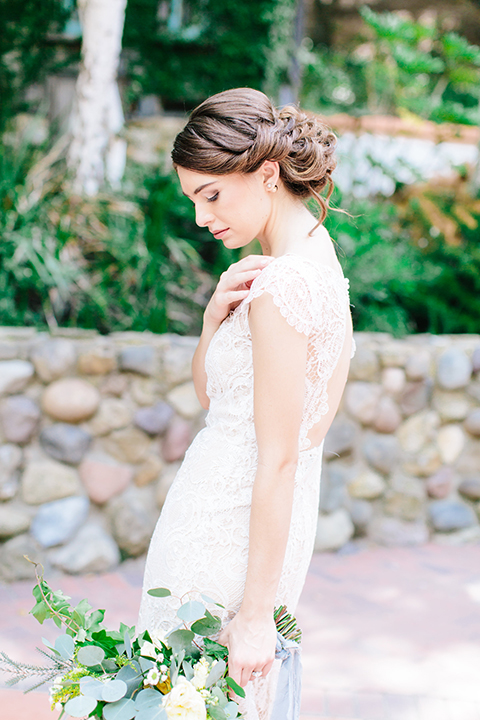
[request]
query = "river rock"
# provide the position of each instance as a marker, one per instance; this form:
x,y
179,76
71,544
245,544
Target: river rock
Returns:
x,y
9,351
361,512
13,565
470,535
10,460
114,384
177,439
391,531
139,359
56,522
340,438
148,471
13,520
447,515
405,497
454,369
440,484
103,477
20,416
364,365
129,445
472,423
469,461
424,463
98,360
333,531
393,380
47,480
145,391
154,420
177,359
416,397
54,358
418,430
132,520
66,443
476,359
419,365
382,452
113,414
14,376
394,353
450,441
387,418
92,550
361,400
183,399
451,405
366,485
71,400
470,487
333,487
166,479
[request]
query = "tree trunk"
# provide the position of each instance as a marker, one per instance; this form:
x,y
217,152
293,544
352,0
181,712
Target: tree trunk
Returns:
x,y
96,153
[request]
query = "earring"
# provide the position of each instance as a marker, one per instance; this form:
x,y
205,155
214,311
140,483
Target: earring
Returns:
x,y
275,188
269,186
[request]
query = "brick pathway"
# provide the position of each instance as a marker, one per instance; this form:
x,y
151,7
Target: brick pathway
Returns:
x,y
389,634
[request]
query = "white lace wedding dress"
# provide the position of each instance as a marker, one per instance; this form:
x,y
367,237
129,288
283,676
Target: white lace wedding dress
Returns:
x,y
201,539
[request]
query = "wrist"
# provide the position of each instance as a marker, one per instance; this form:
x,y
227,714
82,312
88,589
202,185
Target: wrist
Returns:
x,y
256,612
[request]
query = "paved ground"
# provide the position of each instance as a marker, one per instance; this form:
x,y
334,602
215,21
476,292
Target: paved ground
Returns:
x,y
389,634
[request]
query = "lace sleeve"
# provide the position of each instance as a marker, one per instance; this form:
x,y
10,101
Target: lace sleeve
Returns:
x,y
292,293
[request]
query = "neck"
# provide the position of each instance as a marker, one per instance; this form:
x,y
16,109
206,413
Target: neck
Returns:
x,y
288,223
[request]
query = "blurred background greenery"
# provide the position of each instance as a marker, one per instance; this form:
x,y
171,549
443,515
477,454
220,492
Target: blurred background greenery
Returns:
x,y
131,258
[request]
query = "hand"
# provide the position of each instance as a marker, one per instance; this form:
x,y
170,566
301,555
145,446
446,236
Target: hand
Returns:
x,y
251,646
234,286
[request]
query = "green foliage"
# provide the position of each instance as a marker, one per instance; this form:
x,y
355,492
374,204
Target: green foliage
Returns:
x,y
209,47
401,66
26,56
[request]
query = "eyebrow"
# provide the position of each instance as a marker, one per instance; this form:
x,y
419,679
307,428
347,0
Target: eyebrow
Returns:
x,y
199,189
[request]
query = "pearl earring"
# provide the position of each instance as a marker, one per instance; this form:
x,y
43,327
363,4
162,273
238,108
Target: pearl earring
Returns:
x,y
269,186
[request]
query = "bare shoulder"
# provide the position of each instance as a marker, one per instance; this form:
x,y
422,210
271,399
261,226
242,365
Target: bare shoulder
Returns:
x,y
319,248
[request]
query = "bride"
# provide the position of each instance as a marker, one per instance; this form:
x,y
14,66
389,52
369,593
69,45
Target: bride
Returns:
x,y
240,519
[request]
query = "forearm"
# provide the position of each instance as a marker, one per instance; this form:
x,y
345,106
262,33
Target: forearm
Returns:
x,y
270,518
198,363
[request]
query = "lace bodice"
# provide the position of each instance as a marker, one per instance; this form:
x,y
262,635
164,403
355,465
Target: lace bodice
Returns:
x,y
314,299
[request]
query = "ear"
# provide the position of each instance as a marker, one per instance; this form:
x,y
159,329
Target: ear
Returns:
x,y
270,172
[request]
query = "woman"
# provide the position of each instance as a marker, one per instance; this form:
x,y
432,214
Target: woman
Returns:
x,y
239,521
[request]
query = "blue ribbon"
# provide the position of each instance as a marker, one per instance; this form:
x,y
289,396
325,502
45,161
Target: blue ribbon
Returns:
x,y
289,687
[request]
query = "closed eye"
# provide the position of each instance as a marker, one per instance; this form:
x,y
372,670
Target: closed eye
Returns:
x,y
213,198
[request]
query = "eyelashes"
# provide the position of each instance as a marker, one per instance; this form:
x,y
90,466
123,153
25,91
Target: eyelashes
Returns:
x,y
213,198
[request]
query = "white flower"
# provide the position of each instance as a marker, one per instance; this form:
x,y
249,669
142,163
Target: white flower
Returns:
x,y
148,650
200,673
153,676
163,668
183,702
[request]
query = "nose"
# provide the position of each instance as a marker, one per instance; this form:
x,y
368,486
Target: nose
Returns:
x,y
203,216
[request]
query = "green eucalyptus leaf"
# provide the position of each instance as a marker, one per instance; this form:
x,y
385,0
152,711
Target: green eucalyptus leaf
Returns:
x,y
49,645
90,655
191,611
152,713
148,698
180,639
207,626
80,706
145,663
91,687
159,592
65,646
128,644
216,712
231,710
211,601
187,669
217,671
122,710
114,690
132,675
235,687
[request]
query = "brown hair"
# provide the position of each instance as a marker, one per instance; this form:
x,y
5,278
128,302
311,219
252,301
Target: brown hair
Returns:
x,y
237,130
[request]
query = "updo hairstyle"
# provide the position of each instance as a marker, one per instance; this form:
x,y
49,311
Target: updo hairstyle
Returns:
x,y
237,130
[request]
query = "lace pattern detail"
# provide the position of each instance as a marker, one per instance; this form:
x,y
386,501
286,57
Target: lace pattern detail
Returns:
x,y
201,540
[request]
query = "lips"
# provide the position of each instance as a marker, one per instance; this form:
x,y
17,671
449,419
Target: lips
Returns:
x,y
219,233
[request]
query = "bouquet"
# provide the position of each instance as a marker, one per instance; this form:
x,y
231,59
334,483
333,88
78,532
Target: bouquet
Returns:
x,y
118,675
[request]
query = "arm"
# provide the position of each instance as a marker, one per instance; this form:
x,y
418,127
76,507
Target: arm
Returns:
x,y
279,362
232,288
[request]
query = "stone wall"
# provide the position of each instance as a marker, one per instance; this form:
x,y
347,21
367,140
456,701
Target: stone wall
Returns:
x,y
93,428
